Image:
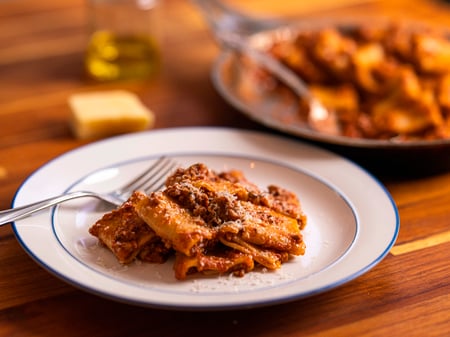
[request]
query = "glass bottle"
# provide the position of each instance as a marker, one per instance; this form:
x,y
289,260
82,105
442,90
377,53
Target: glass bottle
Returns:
x,y
124,39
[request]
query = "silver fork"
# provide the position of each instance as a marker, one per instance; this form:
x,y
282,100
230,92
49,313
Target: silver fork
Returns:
x,y
152,179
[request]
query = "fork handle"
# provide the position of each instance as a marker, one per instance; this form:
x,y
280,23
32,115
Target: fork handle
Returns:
x,y
14,214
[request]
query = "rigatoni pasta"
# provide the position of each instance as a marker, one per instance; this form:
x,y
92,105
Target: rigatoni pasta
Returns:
x,y
210,222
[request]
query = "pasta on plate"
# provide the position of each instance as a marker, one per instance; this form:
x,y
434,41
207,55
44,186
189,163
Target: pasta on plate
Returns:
x,y
211,222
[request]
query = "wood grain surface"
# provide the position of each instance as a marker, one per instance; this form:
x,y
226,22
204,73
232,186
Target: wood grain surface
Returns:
x,y
42,46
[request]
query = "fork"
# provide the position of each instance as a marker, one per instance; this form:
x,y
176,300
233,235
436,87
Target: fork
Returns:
x,y
232,28
152,179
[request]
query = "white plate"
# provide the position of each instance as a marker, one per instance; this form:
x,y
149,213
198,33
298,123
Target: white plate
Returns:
x,y
352,220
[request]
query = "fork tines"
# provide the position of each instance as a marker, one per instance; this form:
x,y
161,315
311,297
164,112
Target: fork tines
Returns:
x,y
153,178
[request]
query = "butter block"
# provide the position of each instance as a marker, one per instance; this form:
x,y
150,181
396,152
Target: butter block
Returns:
x,y
107,113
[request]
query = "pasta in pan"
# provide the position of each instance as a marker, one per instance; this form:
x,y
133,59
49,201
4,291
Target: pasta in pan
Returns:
x,y
387,81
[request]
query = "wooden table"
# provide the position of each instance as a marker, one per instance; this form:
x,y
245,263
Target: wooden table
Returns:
x,y
41,53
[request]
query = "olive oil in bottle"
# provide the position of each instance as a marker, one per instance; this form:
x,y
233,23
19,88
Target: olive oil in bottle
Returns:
x,y
111,57
124,40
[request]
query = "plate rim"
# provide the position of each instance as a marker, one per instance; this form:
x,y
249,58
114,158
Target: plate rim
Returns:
x,y
209,131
